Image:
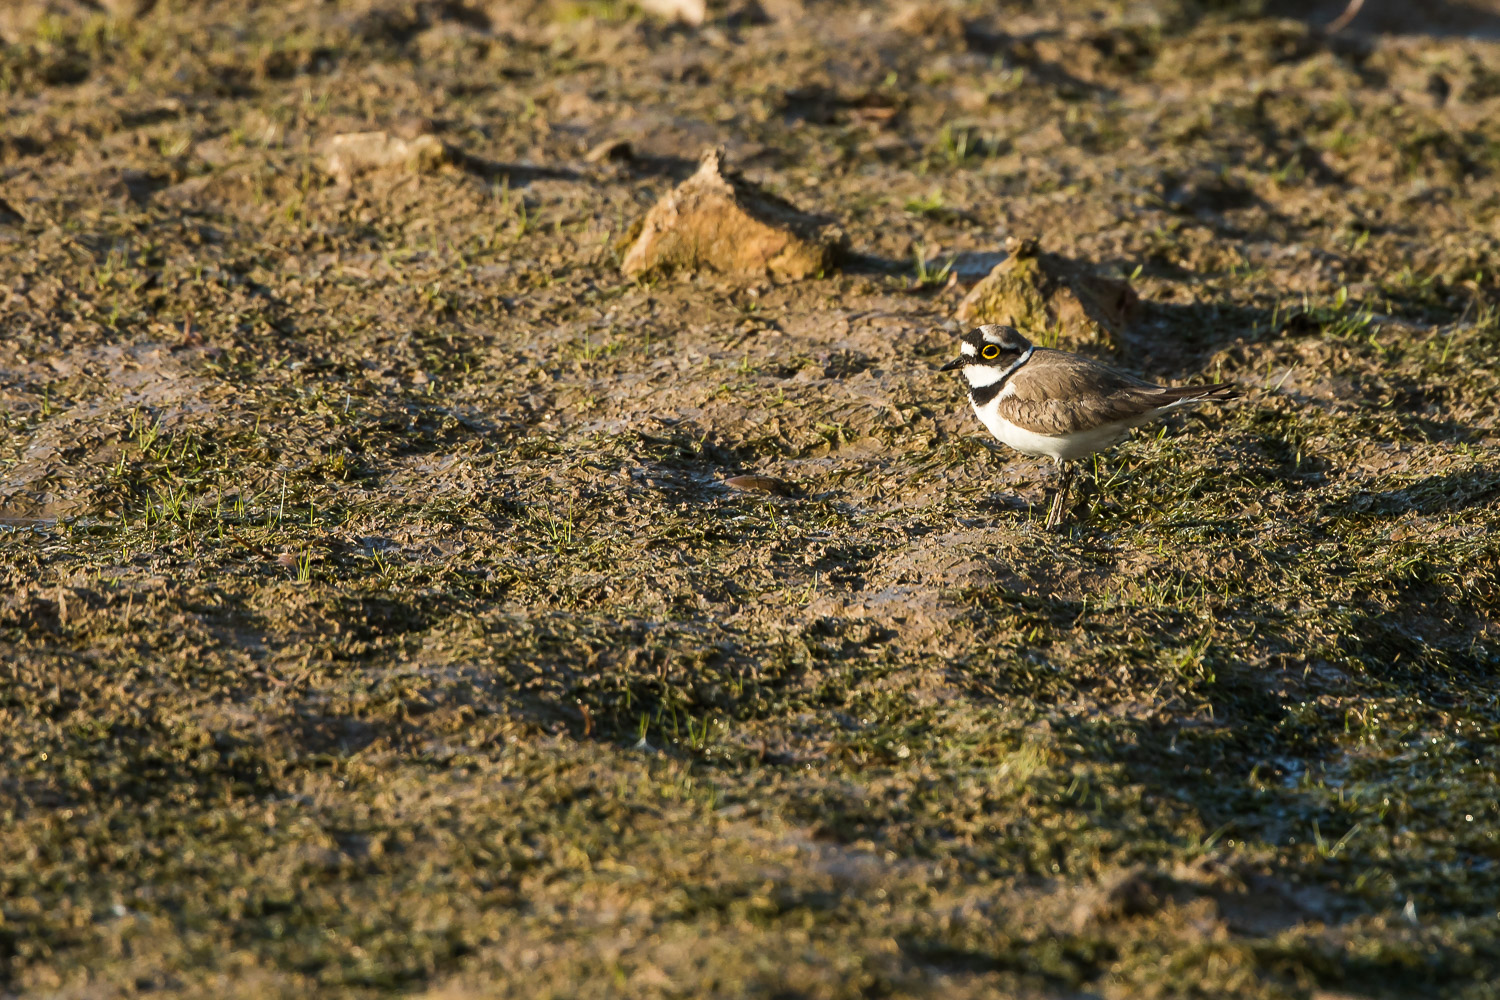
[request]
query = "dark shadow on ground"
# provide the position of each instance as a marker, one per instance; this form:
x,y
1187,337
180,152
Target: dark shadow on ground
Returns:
x,y
1433,17
1439,494
1020,51
515,174
677,168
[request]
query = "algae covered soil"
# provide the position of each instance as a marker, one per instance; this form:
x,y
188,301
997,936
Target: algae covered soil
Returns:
x,y
375,619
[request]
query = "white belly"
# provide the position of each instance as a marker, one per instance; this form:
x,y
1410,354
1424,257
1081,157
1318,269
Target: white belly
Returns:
x,y
1065,448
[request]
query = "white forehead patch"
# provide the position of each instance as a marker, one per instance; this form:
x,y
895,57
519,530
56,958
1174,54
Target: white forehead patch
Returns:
x,y
993,334
967,349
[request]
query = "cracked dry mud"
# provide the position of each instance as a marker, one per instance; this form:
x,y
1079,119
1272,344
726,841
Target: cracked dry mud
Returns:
x,y
375,616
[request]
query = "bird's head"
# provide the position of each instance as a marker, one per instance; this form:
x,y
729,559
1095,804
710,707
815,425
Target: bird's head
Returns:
x,y
987,351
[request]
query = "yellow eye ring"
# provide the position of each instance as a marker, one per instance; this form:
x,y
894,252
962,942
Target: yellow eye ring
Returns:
x,y
990,352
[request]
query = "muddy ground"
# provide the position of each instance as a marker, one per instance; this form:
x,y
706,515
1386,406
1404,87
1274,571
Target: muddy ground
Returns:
x,y
375,619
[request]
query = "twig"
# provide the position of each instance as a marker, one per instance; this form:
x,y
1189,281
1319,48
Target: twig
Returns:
x,y
1342,21
251,545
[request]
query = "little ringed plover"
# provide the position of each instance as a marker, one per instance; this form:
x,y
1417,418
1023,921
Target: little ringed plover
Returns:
x,y
1059,405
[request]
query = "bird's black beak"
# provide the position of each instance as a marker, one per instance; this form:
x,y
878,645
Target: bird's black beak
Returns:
x,y
955,363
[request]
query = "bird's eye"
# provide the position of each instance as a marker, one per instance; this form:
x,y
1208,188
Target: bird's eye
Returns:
x,y
990,352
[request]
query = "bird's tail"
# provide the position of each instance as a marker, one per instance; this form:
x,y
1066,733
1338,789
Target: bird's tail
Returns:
x,y
1202,393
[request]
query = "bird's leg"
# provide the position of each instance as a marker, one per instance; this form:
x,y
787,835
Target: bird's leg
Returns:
x,y
1066,471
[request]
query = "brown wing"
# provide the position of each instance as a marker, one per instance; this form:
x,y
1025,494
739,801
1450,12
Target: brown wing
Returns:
x,y
1064,393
